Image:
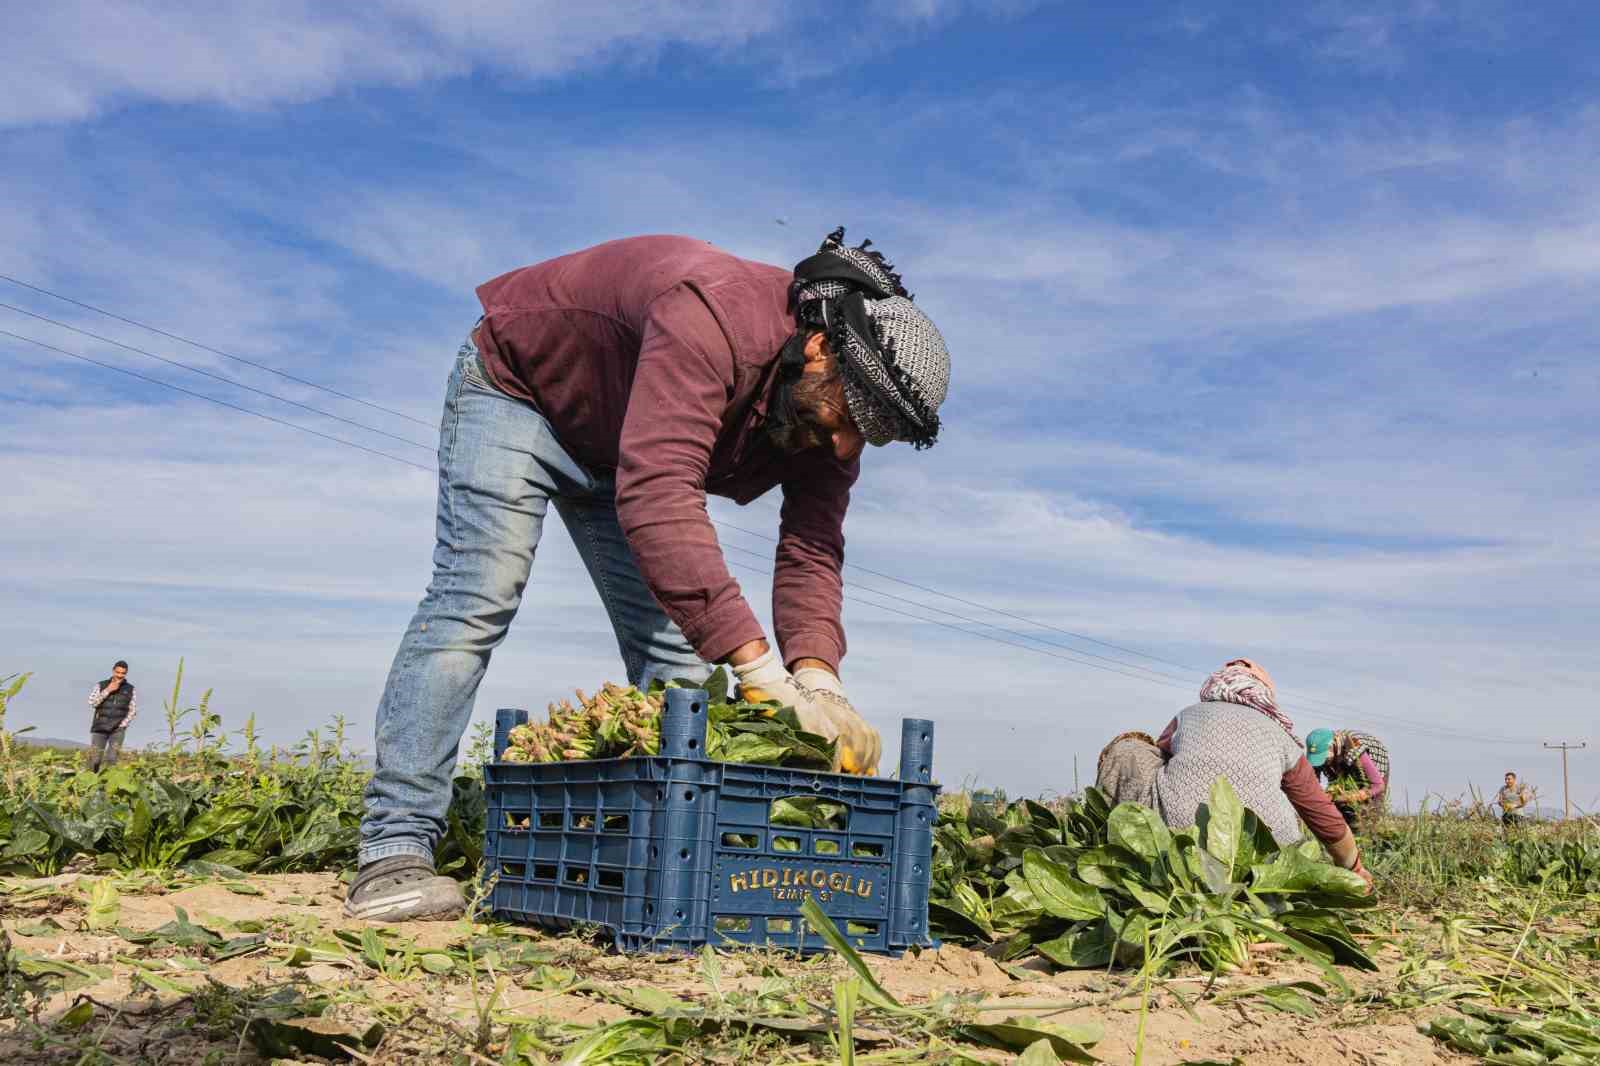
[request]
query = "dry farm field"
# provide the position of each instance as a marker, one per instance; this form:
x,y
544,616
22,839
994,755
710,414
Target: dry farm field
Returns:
x,y
184,907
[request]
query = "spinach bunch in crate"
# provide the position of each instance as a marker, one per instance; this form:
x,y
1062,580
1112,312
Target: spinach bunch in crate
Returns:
x,y
621,721
1087,885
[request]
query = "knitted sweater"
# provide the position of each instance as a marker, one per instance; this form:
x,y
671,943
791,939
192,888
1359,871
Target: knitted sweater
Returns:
x,y
1264,764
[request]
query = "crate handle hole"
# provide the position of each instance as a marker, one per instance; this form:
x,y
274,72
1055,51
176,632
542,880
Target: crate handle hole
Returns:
x,y
809,812
825,847
514,869
616,823
518,819
861,849
728,924
544,871
549,819
861,928
780,925
785,843
582,820
612,879
741,840
577,875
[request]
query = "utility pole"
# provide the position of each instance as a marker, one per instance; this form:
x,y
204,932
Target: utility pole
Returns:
x,y
1566,794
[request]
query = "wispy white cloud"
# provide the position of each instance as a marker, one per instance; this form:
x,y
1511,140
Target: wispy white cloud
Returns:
x,y
75,59
1232,375
71,60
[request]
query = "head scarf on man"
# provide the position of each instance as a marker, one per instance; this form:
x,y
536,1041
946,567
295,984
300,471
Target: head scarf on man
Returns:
x,y
1244,682
893,359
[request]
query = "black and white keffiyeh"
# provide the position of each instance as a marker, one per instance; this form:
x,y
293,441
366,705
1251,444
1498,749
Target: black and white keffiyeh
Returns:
x,y
895,365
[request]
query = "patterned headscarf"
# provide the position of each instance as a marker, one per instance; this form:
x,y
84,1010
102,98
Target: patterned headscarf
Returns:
x,y
1350,746
1243,682
893,359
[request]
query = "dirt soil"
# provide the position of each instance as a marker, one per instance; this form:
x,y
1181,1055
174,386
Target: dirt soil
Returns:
x,y
166,1026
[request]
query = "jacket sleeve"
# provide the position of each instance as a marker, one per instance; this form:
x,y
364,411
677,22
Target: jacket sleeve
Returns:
x,y
807,581
680,393
133,710
1375,782
1164,741
1312,803
96,697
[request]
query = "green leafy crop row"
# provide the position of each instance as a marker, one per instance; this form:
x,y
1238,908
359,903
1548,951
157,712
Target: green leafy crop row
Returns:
x,y
1087,885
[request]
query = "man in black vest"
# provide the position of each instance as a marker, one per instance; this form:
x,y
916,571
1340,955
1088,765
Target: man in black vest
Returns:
x,y
114,703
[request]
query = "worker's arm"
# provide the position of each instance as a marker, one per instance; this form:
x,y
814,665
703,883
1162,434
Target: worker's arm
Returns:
x,y
681,390
807,586
1375,782
1322,817
1164,741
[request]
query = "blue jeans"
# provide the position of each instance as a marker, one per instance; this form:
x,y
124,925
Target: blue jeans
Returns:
x,y
500,468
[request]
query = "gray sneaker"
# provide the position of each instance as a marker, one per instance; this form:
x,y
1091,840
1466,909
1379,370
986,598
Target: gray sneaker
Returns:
x,y
403,888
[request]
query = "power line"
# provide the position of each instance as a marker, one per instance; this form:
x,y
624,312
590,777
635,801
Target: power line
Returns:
x,y
973,633
214,351
213,399
1420,728
1075,655
1038,624
1328,706
219,377
1146,675
999,611
418,466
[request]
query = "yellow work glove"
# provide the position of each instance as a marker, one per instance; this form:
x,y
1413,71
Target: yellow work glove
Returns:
x,y
857,745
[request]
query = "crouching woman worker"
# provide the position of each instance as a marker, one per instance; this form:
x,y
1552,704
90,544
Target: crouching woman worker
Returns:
x,y
1235,731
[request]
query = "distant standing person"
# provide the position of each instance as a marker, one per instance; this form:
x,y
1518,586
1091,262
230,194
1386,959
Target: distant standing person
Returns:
x,y
1512,798
115,703
1356,767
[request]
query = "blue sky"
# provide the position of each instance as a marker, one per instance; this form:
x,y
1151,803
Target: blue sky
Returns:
x,y
1273,335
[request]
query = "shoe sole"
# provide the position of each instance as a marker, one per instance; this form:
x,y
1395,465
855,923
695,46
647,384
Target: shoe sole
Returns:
x,y
388,905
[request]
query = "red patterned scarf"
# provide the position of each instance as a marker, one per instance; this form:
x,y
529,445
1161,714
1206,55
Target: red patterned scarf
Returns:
x,y
1238,683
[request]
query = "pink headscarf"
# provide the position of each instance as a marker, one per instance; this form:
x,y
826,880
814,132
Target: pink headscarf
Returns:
x,y
1243,682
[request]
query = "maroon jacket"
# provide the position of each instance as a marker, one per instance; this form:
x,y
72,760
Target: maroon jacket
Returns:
x,y
654,357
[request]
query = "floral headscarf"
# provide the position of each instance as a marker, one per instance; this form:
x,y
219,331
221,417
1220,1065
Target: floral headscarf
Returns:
x,y
1243,682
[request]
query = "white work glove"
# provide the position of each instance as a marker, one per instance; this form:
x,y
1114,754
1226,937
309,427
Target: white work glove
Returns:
x,y
765,678
819,706
857,745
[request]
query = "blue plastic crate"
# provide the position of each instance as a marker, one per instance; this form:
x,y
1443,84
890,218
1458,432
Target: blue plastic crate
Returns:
x,y
674,851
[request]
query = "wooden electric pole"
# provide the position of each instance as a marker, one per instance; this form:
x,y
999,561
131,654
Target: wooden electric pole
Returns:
x,y
1566,794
